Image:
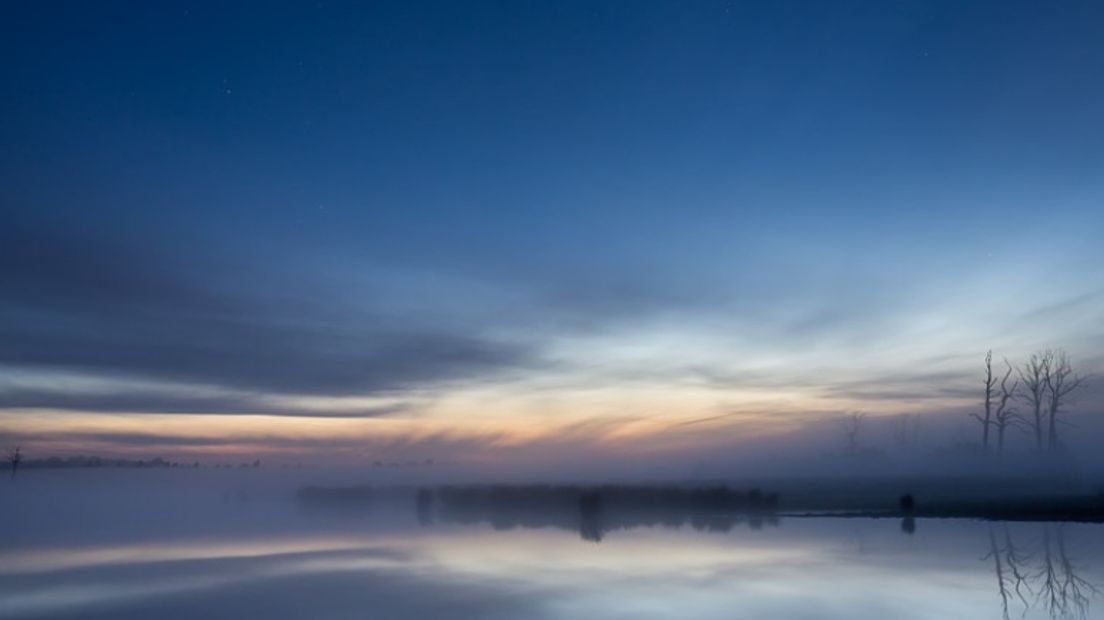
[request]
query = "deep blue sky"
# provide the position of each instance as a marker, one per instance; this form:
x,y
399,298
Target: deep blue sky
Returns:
x,y
211,208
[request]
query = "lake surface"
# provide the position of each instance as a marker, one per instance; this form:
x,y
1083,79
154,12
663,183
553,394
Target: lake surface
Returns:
x,y
158,547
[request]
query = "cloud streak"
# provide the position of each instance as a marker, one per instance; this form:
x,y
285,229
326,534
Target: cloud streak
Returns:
x,y
109,308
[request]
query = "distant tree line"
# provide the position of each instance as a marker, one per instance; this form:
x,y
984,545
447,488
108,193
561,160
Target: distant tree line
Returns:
x,y
16,461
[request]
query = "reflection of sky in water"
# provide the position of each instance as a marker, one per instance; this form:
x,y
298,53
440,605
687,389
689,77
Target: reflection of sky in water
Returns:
x,y
173,554
803,569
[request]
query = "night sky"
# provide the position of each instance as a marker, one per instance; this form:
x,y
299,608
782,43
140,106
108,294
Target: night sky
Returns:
x,y
503,232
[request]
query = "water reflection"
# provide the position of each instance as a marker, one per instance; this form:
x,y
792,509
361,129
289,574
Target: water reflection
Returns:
x,y
471,557
1047,578
594,512
908,525
423,507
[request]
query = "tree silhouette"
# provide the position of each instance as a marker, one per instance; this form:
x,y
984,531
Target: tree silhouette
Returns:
x,y
905,431
1033,377
15,456
990,383
1060,382
852,427
1005,416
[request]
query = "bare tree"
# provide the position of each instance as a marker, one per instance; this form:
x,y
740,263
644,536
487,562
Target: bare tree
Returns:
x,y
1033,377
1006,416
1060,381
852,426
905,430
15,456
990,383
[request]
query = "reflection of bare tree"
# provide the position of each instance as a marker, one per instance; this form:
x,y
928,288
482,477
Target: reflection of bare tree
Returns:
x,y
1007,563
1016,563
423,505
998,568
1076,590
1062,592
1053,583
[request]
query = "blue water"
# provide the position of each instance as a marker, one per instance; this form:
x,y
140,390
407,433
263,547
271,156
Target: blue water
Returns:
x,y
146,546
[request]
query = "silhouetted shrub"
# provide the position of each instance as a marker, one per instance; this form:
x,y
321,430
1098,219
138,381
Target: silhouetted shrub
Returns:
x,y
907,503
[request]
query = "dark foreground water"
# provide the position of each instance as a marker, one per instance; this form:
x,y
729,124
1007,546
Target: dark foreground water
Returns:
x,y
151,545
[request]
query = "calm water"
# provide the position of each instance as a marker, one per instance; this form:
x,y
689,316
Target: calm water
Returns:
x,y
144,547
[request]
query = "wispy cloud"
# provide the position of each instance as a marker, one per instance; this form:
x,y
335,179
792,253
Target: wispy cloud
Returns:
x,y
85,304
